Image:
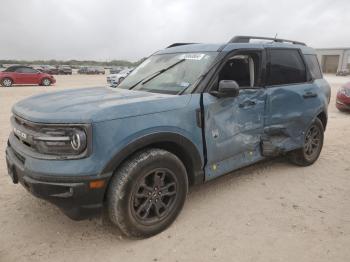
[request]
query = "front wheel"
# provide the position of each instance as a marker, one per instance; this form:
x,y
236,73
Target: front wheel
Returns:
x,y
313,143
147,193
46,82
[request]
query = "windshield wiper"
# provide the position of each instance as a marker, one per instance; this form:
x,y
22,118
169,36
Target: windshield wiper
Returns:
x,y
155,74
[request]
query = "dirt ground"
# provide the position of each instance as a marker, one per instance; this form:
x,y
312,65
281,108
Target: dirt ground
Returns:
x,y
271,211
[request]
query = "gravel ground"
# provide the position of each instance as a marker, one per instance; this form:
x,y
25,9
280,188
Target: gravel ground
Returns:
x,y
271,211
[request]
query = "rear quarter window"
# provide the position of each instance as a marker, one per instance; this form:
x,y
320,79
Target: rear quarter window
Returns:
x,y
286,66
10,69
314,66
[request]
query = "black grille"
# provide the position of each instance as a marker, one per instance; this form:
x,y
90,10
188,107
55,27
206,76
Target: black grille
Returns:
x,y
24,131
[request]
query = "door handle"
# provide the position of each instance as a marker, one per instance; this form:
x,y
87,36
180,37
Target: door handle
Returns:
x,y
247,103
309,94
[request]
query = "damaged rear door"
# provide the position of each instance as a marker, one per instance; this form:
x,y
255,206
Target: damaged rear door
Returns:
x,y
292,101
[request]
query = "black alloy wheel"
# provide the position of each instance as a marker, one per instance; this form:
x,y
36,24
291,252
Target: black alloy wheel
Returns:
x,y
312,147
154,196
147,192
312,142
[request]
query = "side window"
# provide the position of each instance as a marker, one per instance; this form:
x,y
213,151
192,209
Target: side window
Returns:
x,y
286,67
19,70
25,70
243,68
314,66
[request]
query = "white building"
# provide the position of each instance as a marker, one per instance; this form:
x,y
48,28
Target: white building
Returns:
x,y
334,59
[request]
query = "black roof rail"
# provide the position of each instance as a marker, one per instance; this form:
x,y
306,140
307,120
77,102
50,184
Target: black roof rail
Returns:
x,y
246,39
178,44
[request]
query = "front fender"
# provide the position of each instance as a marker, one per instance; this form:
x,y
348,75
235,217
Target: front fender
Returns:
x,y
175,130
172,141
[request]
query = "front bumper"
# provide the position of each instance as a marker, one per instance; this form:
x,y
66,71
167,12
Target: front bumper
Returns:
x,y
71,194
343,104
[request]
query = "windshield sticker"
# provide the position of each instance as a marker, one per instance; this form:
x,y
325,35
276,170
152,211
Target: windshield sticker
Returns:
x,y
184,84
192,56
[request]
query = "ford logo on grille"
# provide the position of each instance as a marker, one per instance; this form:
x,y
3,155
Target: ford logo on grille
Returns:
x,y
20,133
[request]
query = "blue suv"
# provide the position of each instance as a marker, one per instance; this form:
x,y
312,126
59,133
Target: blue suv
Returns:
x,y
186,115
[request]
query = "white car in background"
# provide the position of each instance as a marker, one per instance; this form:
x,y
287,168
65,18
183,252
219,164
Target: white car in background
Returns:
x,y
115,79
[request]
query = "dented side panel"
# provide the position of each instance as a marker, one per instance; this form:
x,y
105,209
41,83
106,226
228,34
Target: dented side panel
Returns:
x,y
289,111
259,123
233,127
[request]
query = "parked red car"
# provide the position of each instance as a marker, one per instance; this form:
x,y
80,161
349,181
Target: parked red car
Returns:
x,y
343,98
24,75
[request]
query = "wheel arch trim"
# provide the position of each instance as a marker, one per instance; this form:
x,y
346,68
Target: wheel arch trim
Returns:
x,y
323,116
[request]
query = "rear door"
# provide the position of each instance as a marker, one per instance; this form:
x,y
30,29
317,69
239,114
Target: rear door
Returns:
x,y
292,99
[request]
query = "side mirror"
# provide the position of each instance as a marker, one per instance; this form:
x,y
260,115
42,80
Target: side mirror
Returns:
x,y
227,88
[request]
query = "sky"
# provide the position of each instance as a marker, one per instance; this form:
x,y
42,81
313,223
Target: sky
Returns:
x,y
104,30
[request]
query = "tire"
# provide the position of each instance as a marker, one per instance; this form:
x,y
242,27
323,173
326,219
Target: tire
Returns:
x,y
6,82
147,193
313,143
46,82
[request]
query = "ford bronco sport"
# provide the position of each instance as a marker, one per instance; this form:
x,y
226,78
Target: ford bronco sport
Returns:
x,y
186,115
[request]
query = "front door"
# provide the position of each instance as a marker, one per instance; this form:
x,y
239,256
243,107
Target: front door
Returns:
x,y
234,125
25,75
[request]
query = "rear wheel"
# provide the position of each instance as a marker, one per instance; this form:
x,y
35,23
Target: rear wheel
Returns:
x,y
6,82
313,143
147,193
46,82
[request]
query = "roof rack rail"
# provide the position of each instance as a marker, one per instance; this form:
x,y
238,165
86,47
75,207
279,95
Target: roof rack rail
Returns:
x,y
246,39
178,44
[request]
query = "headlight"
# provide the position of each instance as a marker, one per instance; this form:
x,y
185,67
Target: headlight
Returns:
x,y
344,91
61,141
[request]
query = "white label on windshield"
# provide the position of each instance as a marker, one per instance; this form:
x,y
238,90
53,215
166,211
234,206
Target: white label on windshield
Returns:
x,y
192,56
184,84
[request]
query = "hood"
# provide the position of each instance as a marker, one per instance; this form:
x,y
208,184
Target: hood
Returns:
x,y
95,104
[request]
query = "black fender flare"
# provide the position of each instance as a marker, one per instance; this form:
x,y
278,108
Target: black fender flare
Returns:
x,y
323,116
175,143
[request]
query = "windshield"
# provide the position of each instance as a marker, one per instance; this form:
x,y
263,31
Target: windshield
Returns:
x,y
169,73
124,71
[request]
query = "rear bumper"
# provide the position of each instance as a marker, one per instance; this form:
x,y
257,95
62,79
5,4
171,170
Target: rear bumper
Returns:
x,y
73,196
